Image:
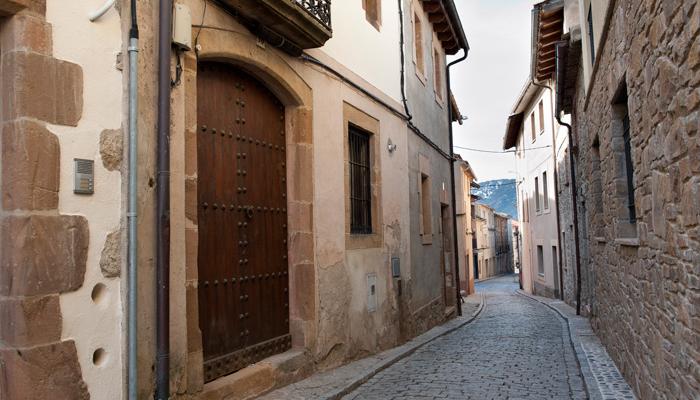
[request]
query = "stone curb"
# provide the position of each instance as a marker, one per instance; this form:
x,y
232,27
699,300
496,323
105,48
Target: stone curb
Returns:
x,y
401,352
590,383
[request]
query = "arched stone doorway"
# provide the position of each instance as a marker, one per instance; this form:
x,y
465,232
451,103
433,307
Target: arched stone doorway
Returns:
x,y
243,289
272,71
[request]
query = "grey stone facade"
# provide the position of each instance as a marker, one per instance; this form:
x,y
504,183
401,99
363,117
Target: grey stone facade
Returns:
x,y
647,274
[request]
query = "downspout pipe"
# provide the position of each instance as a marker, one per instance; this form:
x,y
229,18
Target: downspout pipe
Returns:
x,y
574,207
163,203
402,51
450,111
561,54
131,215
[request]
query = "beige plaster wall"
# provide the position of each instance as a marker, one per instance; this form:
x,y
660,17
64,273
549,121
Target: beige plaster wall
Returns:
x,y
92,324
343,319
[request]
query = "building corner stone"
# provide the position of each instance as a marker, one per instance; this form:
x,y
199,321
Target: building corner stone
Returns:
x,y
42,253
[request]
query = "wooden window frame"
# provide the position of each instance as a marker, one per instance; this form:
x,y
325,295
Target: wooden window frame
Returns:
x,y
438,75
418,40
533,128
373,13
541,112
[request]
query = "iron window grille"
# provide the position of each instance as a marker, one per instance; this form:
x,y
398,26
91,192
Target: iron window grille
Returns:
x,y
629,167
360,182
320,10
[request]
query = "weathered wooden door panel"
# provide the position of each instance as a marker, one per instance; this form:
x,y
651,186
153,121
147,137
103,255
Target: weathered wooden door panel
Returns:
x,y
242,220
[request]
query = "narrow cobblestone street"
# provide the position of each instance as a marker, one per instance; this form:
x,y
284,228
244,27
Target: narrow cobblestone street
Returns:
x,y
516,349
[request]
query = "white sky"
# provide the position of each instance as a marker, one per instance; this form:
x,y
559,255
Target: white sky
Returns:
x,y
487,83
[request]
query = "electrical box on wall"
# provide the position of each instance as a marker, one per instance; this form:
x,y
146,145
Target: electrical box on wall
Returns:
x,y
395,267
371,292
84,176
182,27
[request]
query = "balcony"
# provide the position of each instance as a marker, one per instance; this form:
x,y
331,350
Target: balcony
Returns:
x,y
304,24
319,9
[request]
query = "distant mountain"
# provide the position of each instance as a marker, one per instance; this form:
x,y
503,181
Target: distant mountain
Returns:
x,y
499,194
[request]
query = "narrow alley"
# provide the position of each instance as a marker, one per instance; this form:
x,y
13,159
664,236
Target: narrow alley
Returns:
x,y
356,199
516,348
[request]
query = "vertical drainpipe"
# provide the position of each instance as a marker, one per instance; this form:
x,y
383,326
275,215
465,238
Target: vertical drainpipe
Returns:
x,y
131,214
163,204
452,180
574,188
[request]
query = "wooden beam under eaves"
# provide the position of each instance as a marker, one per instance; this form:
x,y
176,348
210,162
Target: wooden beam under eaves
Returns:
x,y
431,6
444,36
441,24
547,54
437,17
442,27
550,23
447,44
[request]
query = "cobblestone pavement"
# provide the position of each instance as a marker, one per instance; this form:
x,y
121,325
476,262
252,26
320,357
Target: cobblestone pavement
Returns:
x,y
516,349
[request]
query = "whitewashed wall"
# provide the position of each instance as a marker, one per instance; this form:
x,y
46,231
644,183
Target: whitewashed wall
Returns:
x,y
374,55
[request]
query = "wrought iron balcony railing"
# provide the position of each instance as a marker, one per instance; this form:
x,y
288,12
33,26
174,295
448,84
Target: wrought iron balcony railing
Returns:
x,y
304,24
318,9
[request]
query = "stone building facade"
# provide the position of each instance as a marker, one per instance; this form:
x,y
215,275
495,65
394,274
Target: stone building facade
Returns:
x,y
643,62
465,180
60,253
344,292
493,250
503,243
627,77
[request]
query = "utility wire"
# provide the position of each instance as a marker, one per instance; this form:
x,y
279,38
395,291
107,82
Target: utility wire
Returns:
x,y
495,185
500,151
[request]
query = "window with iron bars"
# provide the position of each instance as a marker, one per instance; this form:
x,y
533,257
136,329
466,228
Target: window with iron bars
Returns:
x,y
360,181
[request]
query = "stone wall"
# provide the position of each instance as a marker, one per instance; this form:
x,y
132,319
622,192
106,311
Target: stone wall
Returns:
x,y
43,253
647,279
567,234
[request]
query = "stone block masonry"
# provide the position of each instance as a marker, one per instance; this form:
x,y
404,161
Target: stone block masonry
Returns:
x,y
42,253
647,274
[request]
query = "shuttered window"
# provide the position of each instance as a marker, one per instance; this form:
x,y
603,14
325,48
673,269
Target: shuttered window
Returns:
x,y
360,182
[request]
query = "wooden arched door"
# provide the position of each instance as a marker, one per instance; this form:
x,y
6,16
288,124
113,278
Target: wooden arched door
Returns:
x,y
242,220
